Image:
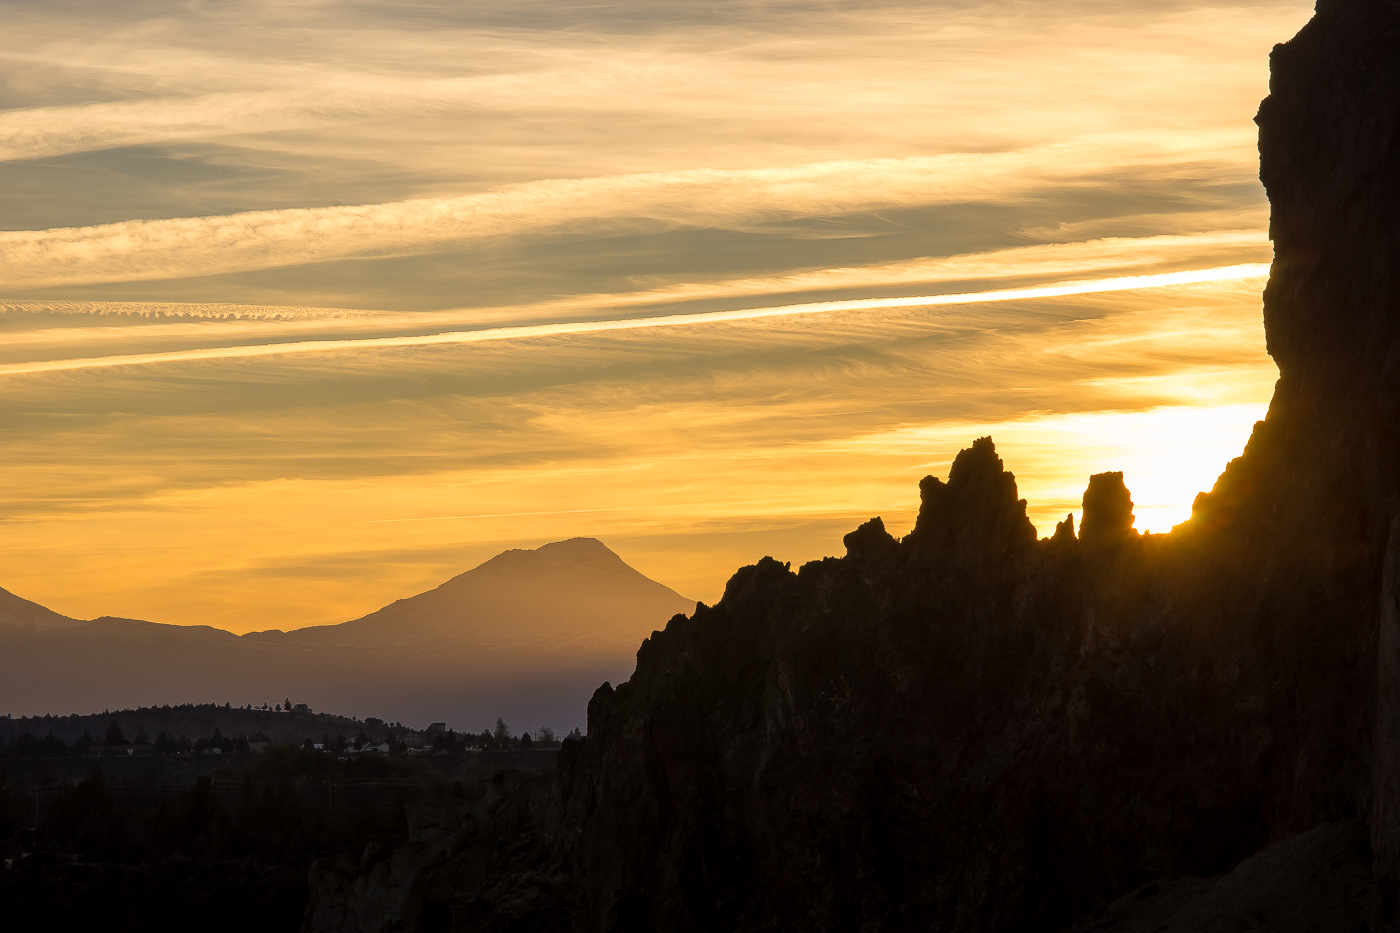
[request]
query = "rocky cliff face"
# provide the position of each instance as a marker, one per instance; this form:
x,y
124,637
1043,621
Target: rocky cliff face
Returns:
x,y
970,729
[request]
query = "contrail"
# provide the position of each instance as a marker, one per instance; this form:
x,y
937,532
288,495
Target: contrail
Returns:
x,y
444,518
1122,283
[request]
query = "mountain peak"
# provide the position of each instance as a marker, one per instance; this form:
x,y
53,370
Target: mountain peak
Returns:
x,y
578,544
575,594
570,547
571,552
21,613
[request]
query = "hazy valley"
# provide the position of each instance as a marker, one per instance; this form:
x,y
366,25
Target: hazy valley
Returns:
x,y
527,635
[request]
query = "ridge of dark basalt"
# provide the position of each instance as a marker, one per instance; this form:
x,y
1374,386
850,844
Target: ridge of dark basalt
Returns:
x,y
971,729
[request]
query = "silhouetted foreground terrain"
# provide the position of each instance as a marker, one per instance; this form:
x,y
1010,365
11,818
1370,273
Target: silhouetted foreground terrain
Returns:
x,y
970,729
185,840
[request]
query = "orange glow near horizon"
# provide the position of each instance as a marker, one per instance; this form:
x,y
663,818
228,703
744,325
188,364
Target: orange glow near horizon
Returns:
x,y
294,329
725,472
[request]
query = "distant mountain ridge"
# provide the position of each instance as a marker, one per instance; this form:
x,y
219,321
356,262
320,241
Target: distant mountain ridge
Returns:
x,y
529,631
18,612
575,592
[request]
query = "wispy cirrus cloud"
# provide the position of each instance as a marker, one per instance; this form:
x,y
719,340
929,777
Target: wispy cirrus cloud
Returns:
x,y
94,80
704,198
694,449
45,132
563,329
1220,247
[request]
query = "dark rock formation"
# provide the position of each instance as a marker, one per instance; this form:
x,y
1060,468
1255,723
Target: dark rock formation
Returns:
x,y
971,729
1319,880
1108,511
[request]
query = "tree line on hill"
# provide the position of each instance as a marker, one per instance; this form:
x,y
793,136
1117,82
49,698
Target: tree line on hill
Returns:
x,y
113,740
189,719
229,851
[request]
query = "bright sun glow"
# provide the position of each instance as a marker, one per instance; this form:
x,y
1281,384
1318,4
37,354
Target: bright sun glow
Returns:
x,y
1167,456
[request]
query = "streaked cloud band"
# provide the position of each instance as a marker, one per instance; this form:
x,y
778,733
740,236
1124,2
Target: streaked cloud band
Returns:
x,y
139,250
1122,283
1084,258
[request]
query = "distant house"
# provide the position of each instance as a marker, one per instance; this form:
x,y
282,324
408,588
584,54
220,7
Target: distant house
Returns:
x,y
302,708
376,748
318,746
256,747
437,728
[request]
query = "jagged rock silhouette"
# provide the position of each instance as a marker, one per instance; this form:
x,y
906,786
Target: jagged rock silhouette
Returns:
x,y
971,729
1108,511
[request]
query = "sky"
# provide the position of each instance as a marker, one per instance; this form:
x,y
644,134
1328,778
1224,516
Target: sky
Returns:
x,y
308,306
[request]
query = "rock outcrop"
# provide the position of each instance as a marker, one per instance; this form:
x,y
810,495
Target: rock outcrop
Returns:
x,y
970,729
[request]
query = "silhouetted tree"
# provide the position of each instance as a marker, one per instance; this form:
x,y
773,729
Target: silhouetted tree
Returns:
x,y
114,735
27,745
502,733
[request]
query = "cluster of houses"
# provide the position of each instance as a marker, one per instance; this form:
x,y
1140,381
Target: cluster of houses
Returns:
x,y
419,743
382,748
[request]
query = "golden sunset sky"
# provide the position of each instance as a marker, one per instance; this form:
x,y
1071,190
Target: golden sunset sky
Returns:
x,y
308,306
